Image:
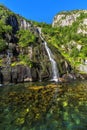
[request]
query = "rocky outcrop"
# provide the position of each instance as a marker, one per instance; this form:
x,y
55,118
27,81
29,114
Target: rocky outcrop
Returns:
x,y
82,29
24,24
64,19
68,18
83,68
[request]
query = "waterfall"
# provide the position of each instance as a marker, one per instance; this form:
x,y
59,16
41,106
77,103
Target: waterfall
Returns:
x,y
55,73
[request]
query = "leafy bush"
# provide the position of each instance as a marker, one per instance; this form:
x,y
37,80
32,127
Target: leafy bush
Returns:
x,y
4,29
26,38
25,60
2,45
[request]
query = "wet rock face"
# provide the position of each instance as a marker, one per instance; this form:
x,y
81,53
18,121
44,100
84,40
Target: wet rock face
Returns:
x,y
15,74
12,21
42,68
21,73
34,74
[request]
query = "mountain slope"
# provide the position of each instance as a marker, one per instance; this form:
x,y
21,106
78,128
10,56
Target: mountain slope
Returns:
x,y
69,34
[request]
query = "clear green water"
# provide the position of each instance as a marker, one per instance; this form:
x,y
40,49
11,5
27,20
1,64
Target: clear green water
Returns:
x,y
44,106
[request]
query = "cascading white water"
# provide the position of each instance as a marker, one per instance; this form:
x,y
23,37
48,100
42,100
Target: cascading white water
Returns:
x,y
55,73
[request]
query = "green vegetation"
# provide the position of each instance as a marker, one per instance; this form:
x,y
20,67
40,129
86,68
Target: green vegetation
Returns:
x,y
26,38
5,12
25,60
5,30
2,45
41,24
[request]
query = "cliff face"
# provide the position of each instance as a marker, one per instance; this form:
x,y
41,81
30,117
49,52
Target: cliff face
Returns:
x,y
69,18
23,57
72,26
65,19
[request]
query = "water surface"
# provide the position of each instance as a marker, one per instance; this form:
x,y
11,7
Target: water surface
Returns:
x,y
44,106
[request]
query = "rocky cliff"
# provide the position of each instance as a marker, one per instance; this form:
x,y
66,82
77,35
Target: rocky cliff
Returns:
x,y
69,18
23,57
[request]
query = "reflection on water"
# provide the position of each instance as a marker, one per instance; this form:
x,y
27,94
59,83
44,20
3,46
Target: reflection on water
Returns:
x,y
45,106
